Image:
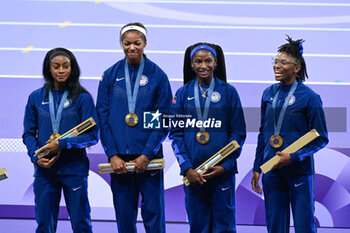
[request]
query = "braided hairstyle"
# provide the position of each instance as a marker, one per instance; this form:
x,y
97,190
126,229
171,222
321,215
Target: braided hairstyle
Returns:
x,y
73,85
295,49
220,70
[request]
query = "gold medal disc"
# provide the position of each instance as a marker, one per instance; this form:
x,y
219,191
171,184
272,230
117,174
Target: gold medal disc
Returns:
x,y
276,141
202,137
54,136
131,119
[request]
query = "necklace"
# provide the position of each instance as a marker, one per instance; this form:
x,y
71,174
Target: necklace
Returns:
x,y
203,92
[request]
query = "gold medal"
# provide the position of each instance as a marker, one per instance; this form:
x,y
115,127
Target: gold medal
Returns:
x,y
131,119
202,137
54,136
276,141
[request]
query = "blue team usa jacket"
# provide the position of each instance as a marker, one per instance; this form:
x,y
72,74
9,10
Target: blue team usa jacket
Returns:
x,y
225,106
112,106
304,112
38,128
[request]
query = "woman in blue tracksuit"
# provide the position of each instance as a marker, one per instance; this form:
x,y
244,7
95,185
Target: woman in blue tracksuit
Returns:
x,y
128,91
210,198
289,109
56,108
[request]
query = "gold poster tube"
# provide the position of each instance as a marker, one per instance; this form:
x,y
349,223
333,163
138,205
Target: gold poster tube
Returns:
x,y
295,146
215,159
154,164
79,129
3,174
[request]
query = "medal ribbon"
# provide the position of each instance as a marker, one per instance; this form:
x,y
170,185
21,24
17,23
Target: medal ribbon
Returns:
x,y
132,96
56,118
207,101
277,128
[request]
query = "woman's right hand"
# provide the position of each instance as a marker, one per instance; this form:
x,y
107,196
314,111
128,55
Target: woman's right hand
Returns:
x,y
118,165
46,163
255,182
194,178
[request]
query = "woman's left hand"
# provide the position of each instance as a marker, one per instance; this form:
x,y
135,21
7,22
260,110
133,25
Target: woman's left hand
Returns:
x,y
51,148
141,163
213,171
284,160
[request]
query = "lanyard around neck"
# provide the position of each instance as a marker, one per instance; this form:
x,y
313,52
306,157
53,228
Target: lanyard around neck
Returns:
x,y
278,126
132,96
56,118
204,116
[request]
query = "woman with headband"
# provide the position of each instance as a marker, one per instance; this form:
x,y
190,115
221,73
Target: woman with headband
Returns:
x,y
53,109
289,109
127,91
207,97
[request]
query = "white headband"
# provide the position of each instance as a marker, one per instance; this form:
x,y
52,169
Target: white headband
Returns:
x,y
133,27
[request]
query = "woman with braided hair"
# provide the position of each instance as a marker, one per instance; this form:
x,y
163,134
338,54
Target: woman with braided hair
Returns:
x,y
289,109
210,198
